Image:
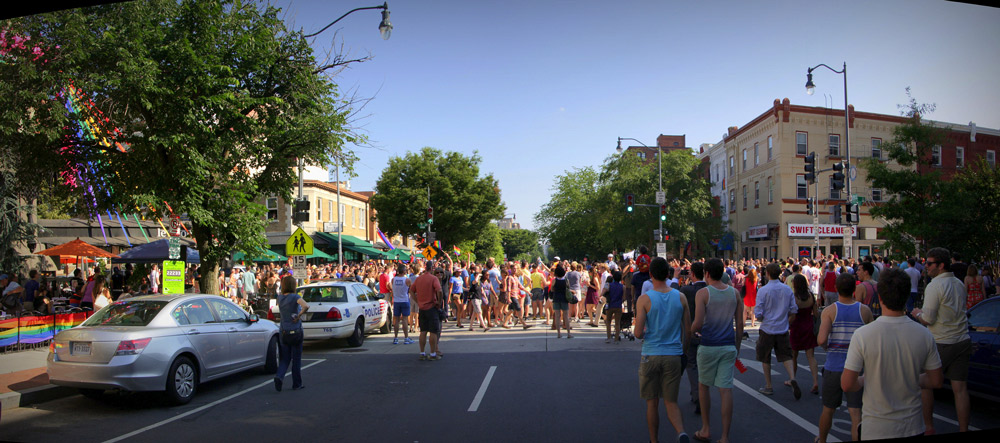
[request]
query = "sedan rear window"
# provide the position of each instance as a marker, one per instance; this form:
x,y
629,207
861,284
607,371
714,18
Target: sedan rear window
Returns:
x,y
126,313
335,294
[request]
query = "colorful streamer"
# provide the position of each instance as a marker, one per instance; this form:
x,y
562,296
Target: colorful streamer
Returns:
x,y
385,239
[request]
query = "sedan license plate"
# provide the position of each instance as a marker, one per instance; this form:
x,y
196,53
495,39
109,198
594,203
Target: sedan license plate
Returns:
x,y
80,348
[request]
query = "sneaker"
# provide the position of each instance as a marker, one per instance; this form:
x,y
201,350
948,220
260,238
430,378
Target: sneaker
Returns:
x,y
607,341
395,341
434,357
683,438
277,384
422,357
408,341
766,391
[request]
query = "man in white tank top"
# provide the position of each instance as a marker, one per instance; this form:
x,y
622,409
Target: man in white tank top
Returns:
x,y
400,305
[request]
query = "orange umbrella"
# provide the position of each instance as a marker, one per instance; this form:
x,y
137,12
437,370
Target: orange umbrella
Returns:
x,y
78,248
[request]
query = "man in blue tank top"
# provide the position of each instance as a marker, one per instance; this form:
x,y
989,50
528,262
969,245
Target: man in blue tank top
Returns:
x,y
837,324
717,309
663,321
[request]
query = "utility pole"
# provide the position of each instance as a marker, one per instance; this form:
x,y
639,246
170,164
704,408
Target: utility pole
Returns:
x,y
340,221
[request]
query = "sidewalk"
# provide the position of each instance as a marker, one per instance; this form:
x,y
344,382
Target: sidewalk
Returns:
x,y
23,380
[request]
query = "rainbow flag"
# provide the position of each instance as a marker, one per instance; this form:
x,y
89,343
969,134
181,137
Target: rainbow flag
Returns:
x,y
437,244
385,239
457,250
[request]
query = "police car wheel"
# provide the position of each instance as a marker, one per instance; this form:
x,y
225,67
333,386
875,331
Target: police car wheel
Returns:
x,y
358,338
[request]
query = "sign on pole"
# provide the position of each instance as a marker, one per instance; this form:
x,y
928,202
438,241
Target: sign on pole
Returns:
x,y
848,242
173,277
661,197
661,249
299,244
299,266
174,248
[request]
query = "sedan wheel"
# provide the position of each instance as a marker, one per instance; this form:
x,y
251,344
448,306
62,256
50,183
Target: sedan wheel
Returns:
x,y
358,338
182,381
271,358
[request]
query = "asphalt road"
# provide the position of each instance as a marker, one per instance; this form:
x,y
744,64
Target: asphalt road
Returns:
x,y
502,385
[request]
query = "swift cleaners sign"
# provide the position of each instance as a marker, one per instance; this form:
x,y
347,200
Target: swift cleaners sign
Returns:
x,y
757,231
803,230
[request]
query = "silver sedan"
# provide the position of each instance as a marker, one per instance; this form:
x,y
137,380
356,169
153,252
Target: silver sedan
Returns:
x,y
162,343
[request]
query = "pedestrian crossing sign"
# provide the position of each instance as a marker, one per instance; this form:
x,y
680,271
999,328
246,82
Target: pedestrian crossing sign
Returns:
x,y
299,244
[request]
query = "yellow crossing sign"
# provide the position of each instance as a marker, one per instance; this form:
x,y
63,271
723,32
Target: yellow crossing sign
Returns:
x,y
299,244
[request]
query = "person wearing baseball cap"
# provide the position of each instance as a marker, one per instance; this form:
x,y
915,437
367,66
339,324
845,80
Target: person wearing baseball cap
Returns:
x,y
612,266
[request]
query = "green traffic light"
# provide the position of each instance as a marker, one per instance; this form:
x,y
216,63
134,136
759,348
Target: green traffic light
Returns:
x,y
430,221
663,217
629,209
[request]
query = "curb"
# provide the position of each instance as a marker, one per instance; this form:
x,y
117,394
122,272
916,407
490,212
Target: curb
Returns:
x,y
31,396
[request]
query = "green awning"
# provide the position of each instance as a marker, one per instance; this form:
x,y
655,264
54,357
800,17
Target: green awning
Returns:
x,y
398,254
320,254
345,239
267,256
371,252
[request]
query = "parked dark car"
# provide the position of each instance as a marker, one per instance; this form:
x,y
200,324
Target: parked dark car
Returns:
x,y
984,367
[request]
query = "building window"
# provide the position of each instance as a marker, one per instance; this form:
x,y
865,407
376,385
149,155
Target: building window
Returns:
x,y
835,145
936,155
354,217
876,194
959,157
770,190
744,160
991,158
272,209
770,147
877,148
732,165
756,194
801,187
834,195
319,209
642,155
801,143
744,197
329,210
732,200
340,214
756,155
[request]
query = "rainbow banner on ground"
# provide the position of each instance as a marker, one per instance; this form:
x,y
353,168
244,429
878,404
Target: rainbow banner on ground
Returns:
x,y
37,328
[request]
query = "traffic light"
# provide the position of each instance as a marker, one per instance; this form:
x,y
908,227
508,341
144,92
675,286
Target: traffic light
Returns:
x,y
301,213
430,215
837,219
809,206
629,202
853,214
837,182
666,235
663,212
811,167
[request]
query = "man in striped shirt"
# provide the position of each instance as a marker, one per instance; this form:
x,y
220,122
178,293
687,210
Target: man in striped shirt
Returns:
x,y
838,323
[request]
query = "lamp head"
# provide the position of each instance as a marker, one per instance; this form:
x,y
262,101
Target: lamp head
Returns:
x,y
810,87
385,27
619,148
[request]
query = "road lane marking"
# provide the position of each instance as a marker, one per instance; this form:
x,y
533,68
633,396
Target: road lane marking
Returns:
x,y
202,408
791,416
482,390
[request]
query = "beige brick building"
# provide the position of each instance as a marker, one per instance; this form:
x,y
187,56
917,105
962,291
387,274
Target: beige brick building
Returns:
x,y
764,180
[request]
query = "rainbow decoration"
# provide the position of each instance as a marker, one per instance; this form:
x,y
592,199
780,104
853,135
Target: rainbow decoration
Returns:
x,y
384,239
457,250
38,328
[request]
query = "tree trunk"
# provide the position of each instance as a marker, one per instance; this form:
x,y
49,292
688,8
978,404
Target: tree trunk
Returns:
x,y
209,268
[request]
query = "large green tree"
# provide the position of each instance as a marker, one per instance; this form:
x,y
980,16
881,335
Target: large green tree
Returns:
x,y
212,101
520,244
586,215
488,244
464,203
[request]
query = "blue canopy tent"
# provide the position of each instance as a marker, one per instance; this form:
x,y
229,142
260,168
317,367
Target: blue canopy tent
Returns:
x,y
157,252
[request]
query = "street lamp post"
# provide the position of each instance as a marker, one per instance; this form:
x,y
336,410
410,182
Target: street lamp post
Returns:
x,y
385,30
810,88
659,165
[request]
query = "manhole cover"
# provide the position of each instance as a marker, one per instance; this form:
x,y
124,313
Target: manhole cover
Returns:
x,y
353,350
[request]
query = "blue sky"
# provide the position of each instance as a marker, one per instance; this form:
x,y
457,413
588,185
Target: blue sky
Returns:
x,y
539,87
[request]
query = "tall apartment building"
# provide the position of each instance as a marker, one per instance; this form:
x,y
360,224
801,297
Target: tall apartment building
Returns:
x,y
764,184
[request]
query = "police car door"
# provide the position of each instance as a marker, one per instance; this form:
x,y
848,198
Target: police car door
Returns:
x,y
368,303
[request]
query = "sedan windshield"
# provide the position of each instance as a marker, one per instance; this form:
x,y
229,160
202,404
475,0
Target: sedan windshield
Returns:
x,y
126,313
336,294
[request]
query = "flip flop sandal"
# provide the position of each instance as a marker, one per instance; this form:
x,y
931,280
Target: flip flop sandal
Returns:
x,y
700,438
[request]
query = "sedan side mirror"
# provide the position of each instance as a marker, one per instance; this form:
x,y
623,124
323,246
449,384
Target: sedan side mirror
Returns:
x,y
254,318
379,296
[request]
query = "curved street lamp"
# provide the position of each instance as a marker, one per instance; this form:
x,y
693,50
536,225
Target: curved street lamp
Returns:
x,y
384,27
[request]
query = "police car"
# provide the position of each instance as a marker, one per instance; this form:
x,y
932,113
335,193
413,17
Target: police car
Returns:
x,y
340,309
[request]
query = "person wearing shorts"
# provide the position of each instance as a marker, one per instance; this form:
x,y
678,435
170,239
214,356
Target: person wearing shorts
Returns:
x,y
662,320
538,284
775,306
560,306
400,286
718,308
838,322
944,314
429,299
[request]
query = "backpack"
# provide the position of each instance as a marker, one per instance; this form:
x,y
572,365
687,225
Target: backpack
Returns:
x,y
10,302
871,299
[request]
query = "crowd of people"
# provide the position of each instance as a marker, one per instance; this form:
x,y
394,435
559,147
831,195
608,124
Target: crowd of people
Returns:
x,y
690,315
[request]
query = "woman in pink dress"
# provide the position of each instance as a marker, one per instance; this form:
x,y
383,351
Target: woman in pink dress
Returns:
x,y
974,287
750,297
